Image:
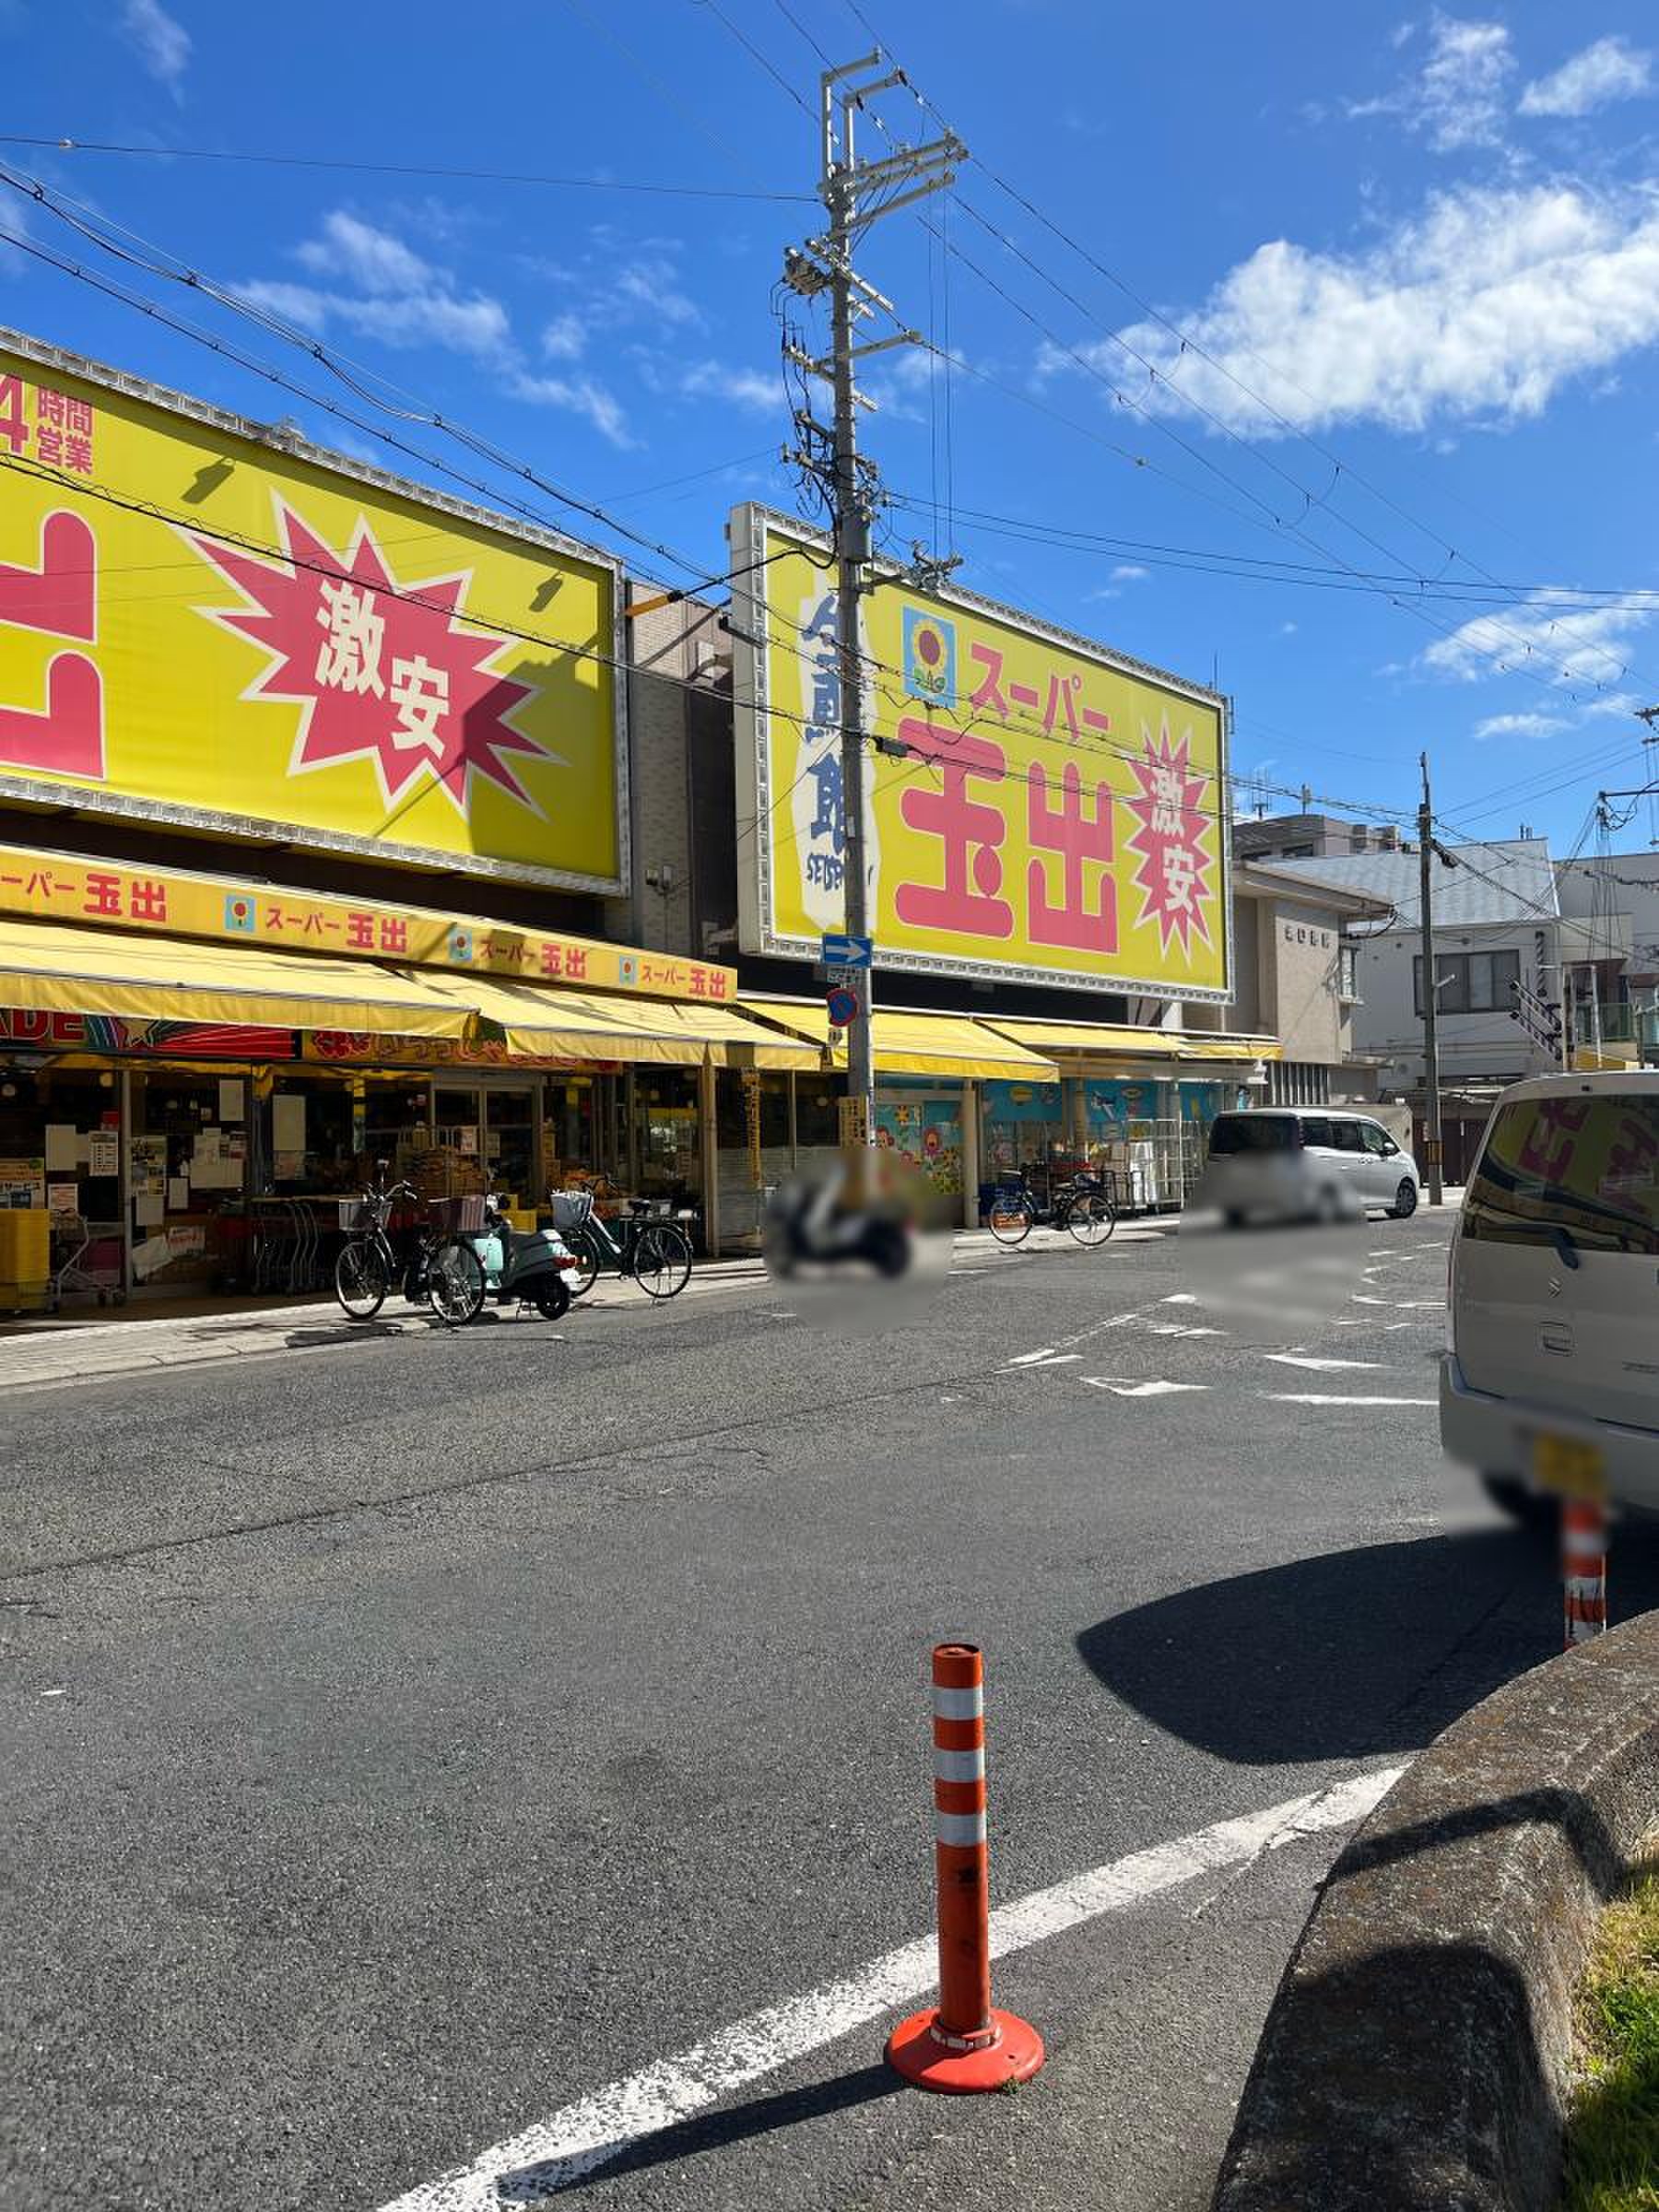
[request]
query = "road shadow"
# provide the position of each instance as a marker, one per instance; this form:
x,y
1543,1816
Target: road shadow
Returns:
x,y
1354,1654
687,2138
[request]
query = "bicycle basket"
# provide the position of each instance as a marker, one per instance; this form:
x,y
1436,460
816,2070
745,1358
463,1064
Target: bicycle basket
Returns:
x,y
571,1209
461,1217
355,1214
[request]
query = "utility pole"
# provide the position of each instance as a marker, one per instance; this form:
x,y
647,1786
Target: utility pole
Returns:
x,y
850,190
1431,1090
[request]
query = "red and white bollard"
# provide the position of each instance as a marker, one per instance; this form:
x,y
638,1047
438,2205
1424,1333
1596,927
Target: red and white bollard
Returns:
x,y
1584,1568
963,2043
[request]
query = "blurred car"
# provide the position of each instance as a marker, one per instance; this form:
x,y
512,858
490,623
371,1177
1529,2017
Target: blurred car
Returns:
x,y
1550,1380
1295,1163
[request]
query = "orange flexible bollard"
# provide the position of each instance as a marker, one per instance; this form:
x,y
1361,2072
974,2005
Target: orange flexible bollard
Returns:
x,y
963,2043
1584,1568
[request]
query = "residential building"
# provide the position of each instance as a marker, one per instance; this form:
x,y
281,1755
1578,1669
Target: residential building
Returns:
x,y
1308,836
1497,923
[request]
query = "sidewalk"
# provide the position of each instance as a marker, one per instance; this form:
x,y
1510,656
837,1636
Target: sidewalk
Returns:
x,y
92,1342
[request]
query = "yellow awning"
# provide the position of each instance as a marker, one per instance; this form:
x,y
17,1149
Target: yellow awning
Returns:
x,y
545,1023
55,969
1101,1040
907,1043
1217,1045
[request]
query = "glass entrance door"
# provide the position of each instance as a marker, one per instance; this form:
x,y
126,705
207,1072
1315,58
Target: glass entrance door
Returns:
x,y
510,1145
459,1119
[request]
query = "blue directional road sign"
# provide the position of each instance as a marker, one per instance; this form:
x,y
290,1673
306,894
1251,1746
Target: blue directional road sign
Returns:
x,y
841,951
842,1005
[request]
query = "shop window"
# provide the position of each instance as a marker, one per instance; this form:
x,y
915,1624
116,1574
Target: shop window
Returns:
x,y
818,1113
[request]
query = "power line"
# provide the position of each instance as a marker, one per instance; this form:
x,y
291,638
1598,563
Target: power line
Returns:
x,y
1188,343
396,169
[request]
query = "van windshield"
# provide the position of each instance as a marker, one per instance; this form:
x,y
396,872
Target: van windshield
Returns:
x,y
1589,1165
1252,1133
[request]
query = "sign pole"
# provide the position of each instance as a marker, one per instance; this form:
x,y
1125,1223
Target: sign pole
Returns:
x,y
1431,1085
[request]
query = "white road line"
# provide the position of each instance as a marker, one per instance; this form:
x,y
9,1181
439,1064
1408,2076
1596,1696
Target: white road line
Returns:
x,y
1049,1356
554,2153
1304,1398
1138,1390
1307,1360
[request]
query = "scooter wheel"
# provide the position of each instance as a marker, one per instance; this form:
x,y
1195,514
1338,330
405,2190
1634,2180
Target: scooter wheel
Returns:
x,y
551,1298
890,1248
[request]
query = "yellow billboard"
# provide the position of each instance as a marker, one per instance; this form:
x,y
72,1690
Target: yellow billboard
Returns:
x,y
1038,808
204,625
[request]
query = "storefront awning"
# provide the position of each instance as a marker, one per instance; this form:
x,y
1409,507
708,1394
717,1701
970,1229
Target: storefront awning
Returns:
x,y
907,1043
1077,1044
51,968
548,1024
1217,1045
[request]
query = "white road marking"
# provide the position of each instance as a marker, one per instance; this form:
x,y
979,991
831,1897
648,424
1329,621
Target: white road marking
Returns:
x,y
1314,1399
554,2153
1307,1360
1049,1356
1138,1390
1179,1328
1180,1298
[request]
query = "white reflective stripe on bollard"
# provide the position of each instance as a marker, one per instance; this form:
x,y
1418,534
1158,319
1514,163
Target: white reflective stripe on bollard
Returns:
x,y
958,1766
962,1830
959,1704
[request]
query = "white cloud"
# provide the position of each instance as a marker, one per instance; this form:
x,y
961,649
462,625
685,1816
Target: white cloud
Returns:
x,y
1586,647
1481,307
1608,70
580,396
376,286
565,338
1289,630
1459,96
737,387
1519,725
351,252
652,284
1126,571
14,225
162,45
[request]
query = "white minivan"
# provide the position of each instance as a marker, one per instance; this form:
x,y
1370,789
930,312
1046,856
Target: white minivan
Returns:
x,y
1302,1162
1550,1380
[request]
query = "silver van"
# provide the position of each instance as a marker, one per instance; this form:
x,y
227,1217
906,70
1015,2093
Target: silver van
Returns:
x,y
1550,1380
1304,1163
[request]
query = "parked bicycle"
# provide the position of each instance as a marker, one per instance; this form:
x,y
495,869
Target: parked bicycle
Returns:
x,y
1082,1204
438,1267
642,1243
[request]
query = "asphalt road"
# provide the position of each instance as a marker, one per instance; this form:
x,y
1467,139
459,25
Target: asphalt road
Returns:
x,y
407,1741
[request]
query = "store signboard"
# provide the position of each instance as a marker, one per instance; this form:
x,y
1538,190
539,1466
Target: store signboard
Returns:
x,y
209,623
1040,809
64,887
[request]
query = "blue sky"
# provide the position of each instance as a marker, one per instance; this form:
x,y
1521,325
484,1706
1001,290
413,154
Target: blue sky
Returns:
x,y
1363,288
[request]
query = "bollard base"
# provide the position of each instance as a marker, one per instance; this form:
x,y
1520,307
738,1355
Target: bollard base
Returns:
x,y
915,2050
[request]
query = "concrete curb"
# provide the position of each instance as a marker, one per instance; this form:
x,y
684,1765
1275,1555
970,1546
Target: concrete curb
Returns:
x,y
1415,2057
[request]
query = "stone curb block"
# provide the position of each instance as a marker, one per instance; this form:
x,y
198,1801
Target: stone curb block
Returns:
x,y
1415,2057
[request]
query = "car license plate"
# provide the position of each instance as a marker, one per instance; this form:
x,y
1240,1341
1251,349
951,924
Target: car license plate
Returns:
x,y
1569,1468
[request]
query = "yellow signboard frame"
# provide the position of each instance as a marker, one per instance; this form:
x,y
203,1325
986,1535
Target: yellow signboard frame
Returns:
x,y
1042,809
164,567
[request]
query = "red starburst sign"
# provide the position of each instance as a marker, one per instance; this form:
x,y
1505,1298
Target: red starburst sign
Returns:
x,y
381,670
1171,839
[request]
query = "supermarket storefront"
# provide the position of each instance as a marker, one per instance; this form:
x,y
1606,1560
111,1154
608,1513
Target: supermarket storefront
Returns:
x,y
183,1112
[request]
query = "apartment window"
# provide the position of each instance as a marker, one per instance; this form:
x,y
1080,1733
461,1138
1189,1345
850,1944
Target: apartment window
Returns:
x,y
1470,982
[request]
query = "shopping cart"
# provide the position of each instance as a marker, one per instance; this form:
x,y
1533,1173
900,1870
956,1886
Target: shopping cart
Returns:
x,y
88,1260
